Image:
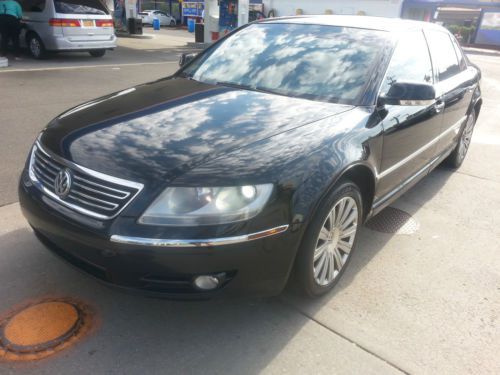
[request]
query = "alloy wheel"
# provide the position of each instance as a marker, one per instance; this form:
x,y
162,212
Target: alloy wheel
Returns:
x,y
335,241
465,139
35,47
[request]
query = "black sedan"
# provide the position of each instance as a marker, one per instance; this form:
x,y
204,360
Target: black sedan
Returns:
x,y
257,162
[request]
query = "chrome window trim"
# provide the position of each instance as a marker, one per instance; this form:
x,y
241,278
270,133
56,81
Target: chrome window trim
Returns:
x,y
455,127
417,102
99,175
158,242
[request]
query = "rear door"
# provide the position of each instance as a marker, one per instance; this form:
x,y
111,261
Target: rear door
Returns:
x,y
84,20
34,17
409,130
145,17
456,83
164,20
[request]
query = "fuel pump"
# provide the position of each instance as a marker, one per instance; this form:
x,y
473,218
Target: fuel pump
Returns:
x,y
223,16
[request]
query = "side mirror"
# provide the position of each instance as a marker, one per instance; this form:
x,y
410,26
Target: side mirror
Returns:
x,y
409,93
186,58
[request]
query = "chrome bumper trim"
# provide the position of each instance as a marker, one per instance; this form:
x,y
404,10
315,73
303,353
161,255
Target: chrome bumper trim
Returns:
x,y
158,242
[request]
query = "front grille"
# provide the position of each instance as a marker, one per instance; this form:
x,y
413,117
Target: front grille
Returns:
x,y
91,193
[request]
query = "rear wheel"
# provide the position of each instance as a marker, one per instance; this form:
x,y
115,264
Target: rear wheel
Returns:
x,y
97,52
172,23
457,156
330,240
36,46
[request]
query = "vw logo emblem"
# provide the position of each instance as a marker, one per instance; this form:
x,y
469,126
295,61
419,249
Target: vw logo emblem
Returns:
x,y
62,183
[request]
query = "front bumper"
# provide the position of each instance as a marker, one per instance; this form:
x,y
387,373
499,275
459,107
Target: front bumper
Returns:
x,y
253,267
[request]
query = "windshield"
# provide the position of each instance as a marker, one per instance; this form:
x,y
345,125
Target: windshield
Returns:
x,y
326,63
80,7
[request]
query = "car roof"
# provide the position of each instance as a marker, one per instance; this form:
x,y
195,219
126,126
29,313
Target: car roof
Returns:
x,y
361,22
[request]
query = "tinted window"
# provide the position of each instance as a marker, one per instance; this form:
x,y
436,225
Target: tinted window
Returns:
x,y
316,62
410,61
443,54
32,5
80,7
460,55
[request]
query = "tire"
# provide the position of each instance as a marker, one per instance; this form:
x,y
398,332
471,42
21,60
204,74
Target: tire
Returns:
x,y
457,156
97,52
172,23
36,47
335,254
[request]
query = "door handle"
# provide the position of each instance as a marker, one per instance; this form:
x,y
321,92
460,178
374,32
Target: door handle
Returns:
x,y
439,105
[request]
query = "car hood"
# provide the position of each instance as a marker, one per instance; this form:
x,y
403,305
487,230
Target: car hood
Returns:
x,y
159,130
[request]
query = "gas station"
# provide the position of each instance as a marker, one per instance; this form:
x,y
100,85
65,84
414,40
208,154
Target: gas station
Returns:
x,y
219,16
223,16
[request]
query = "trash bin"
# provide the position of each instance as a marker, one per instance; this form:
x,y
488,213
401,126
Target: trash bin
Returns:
x,y
135,26
199,33
191,25
156,24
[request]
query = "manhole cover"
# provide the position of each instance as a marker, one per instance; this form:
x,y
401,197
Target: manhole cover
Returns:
x,y
40,329
393,220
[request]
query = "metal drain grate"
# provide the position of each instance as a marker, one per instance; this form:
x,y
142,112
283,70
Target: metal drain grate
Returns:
x,y
393,220
40,329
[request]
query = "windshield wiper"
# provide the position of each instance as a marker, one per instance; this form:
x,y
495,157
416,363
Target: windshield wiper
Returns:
x,y
186,75
235,85
270,91
250,87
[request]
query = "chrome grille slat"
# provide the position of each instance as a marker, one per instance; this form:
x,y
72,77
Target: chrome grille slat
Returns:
x,y
43,164
97,200
81,186
87,203
48,179
78,178
41,157
91,193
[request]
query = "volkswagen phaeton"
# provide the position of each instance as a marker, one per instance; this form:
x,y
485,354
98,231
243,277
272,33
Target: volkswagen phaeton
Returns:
x,y
257,162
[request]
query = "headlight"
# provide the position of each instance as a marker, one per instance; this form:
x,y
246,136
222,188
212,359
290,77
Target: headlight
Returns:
x,y
207,205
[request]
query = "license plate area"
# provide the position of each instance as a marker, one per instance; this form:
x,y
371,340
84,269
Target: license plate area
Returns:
x,y
88,23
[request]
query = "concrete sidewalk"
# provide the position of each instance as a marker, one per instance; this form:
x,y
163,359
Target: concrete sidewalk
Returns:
x,y
160,39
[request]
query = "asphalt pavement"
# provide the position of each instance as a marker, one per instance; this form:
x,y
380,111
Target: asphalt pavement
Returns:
x,y
422,303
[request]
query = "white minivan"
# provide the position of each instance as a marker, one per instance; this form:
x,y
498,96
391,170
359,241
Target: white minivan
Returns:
x,y
67,25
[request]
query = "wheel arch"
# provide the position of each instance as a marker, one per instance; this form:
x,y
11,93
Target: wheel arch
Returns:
x,y
364,178
362,175
477,106
29,33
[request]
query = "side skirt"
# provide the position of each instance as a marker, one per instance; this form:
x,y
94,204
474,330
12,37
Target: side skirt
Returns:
x,y
386,200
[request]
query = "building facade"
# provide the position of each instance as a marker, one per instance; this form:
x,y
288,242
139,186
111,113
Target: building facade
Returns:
x,y
383,8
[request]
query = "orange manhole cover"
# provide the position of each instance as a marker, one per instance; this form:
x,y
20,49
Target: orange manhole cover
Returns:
x,y
42,328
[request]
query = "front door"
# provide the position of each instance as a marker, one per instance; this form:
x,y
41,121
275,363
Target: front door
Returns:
x,y
409,130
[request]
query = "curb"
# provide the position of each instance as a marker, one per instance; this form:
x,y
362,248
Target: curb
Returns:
x,y
481,51
134,36
198,45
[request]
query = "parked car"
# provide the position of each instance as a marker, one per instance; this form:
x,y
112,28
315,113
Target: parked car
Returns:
x,y
255,15
67,25
259,160
148,16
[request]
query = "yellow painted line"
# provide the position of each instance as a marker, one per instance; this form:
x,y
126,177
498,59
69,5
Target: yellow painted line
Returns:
x,y
83,67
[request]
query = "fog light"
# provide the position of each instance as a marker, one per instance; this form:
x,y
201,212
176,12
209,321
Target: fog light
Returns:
x,y
206,282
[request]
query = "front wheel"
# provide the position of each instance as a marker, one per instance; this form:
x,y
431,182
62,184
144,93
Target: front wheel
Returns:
x,y
172,23
97,52
330,240
457,156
